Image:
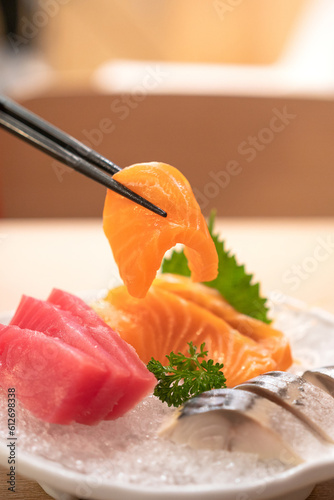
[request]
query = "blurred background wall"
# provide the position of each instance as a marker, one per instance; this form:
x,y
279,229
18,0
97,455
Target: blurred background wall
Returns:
x,y
248,32
237,94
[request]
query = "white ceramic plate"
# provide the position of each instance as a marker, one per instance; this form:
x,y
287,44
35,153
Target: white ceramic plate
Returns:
x,y
311,334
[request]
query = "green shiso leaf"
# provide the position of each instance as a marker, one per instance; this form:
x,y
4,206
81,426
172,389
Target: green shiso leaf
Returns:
x,y
176,264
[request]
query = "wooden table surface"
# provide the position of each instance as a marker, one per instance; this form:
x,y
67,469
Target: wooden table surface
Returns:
x,y
288,256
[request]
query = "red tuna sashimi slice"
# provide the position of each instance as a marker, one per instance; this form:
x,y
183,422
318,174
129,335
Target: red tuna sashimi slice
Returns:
x,y
52,379
45,317
142,381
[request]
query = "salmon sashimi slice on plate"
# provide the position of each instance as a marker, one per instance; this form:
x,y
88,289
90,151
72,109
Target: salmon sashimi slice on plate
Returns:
x,y
163,322
265,335
139,238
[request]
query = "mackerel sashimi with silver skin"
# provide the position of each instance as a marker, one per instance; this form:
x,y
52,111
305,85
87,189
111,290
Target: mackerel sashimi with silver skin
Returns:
x,y
321,377
260,421
307,401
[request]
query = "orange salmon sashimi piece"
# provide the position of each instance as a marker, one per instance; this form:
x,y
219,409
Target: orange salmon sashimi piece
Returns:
x,y
139,238
163,322
267,337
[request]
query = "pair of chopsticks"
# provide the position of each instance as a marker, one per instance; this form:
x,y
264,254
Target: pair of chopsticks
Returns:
x,y
64,148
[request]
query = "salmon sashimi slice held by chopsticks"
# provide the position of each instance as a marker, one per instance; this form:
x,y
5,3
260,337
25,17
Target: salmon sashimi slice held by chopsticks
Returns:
x,y
157,315
165,321
139,238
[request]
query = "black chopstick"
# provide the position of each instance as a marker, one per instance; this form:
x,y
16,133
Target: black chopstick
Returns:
x,y
64,148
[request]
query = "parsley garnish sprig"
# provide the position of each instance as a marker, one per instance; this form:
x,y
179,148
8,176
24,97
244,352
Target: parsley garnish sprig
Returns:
x,y
186,376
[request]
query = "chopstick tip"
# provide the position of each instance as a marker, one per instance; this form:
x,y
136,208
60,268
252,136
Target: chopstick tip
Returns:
x,y
157,210
163,213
